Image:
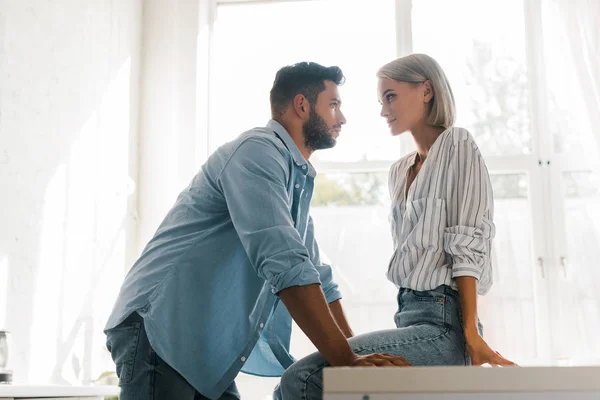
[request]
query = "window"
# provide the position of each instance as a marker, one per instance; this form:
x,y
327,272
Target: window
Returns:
x,y
547,225
488,70
249,47
574,184
350,208
486,65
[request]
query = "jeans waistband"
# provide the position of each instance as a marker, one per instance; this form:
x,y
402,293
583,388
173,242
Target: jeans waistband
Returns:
x,y
445,289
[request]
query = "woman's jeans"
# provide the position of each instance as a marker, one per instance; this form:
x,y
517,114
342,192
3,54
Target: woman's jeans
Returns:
x,y
429,332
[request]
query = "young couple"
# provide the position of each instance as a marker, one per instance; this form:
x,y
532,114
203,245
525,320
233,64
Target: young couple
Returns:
x,y
215,290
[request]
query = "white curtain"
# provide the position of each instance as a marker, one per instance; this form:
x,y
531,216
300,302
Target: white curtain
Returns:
x,y
580,21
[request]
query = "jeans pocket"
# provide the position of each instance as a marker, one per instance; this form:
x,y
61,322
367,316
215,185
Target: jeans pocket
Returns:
x,y
122,342
428,296
426,307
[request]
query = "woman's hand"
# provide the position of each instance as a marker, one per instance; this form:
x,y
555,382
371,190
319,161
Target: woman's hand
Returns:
x,y
481,353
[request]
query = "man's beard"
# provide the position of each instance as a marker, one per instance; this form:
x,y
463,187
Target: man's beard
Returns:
x,y
317,135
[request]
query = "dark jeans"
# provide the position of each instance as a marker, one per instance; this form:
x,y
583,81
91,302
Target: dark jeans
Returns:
x,y
143,375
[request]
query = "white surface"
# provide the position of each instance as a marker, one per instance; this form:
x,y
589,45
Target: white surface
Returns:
x,y
56,391
461,380
468,396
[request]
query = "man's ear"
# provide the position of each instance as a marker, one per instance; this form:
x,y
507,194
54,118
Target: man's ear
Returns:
x,y
301,106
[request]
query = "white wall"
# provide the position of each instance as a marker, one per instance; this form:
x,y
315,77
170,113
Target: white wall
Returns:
x,y
69,86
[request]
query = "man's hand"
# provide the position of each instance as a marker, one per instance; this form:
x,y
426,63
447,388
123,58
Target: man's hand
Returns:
x,y
379,360
308,307
481,353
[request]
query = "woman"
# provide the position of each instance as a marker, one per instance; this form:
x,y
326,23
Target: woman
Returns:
x,y
442,211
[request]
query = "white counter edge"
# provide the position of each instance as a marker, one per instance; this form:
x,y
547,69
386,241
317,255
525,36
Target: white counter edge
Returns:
x,y
56,390
460,379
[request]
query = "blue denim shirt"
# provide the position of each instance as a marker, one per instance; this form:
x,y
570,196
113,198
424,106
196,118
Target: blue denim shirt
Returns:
x,y
207,282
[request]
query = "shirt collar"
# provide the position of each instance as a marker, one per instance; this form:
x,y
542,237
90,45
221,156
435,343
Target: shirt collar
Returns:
x,y
288,141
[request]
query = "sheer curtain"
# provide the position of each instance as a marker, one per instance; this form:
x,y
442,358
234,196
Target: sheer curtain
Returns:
x,y
579,22
571,37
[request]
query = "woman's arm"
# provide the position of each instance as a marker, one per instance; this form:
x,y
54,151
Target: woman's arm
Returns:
x,y
467,289
478,349
468,240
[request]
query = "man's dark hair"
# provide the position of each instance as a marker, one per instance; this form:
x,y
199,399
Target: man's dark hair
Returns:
x,y
306,78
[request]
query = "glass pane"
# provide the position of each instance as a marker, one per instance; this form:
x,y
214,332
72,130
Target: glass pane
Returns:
x,y
350,213
481,47
248,51
579,278
569,120
508,310
351,189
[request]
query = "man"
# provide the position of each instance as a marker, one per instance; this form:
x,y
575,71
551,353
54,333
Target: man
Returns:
x,y
214,291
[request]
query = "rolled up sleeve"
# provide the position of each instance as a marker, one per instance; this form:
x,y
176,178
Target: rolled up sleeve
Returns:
x,y
253,183
468,237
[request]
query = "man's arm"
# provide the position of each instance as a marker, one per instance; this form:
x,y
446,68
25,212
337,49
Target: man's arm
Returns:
x,y
253,183
308,307
340,318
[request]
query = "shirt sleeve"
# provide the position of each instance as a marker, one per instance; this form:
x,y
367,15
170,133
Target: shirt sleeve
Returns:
x,y
330,288
393,190
253,183
470,230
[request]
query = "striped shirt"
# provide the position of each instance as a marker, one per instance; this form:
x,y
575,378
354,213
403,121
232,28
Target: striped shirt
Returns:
x,y
443,227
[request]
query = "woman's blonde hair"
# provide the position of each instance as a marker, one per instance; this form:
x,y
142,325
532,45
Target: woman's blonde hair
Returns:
x,y
416,69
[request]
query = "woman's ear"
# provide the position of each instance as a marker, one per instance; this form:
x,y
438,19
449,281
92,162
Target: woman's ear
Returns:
x,y
427,91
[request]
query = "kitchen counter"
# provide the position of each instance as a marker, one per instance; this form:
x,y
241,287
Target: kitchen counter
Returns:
x,y
462,383
56,392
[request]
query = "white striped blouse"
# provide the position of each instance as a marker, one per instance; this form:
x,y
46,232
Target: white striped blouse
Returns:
x,y
443,228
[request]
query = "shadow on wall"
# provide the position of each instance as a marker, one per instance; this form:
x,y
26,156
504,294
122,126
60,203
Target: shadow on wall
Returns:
x,y
68,128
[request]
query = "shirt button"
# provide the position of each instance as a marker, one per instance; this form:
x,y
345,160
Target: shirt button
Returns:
x,y
304,167
262,325
297,186
243,359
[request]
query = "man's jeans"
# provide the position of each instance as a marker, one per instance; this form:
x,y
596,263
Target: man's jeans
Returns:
x,y
143,375
429,332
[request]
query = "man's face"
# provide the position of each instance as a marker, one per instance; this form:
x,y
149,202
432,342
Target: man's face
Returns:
x,y
326,119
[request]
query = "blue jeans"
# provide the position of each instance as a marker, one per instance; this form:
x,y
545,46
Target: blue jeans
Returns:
x,y
143,375
429,332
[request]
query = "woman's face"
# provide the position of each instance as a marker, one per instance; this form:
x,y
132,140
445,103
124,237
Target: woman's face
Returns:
x,y
403,104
